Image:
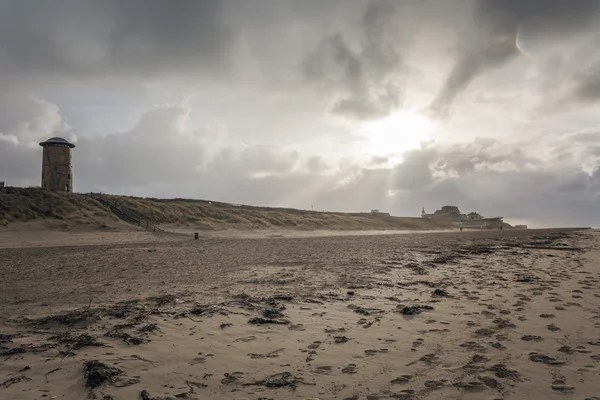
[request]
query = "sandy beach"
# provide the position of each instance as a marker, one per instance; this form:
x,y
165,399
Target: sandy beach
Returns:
x,y
472,315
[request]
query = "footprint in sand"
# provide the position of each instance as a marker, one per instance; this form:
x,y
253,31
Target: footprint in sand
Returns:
x,y
474,386
489,381
314,345
473,369
349,369
478,358
434,384
547,315
246,339
583,350
532,338
401,380
474,346
372,352
498,346
296,327
417,343
340,339
323,370
202,359
484,332
566,350
542,358
553,328
560,386
502,371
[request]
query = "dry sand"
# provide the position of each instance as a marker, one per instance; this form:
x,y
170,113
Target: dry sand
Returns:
x,y
477,315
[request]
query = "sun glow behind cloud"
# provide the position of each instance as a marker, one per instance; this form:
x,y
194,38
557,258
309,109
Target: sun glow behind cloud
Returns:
x,y
396,134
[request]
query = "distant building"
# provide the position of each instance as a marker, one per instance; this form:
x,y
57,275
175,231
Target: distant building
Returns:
x,y
453,215
57,171
520,226
473,216
377,212
446,212
1,184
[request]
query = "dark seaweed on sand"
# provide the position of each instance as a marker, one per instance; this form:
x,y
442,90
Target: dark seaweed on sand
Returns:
x,y
263,321
414,310
97,373
279,380
77,342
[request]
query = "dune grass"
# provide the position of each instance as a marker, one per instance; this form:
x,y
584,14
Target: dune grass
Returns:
x,y
30,204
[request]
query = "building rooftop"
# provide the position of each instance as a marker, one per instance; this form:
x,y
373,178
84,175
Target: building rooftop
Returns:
x,y
57,141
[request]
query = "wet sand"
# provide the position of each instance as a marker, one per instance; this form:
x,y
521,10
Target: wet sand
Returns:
x,y
477,315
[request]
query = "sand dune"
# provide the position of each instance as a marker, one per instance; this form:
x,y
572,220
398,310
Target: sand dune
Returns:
x,y
77,212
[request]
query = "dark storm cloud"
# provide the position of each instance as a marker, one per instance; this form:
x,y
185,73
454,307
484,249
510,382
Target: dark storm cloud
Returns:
x,y
87,38
490,41
362,74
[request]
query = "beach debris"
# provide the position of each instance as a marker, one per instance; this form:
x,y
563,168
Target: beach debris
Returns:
x,y
144,395
97,373
87,315
8,337
231,378
272,354
278,380
13,380
272,314
124,336
77,342
413,310
283,297
12,352
264,321
401,380
440,293
149,328
163,300
365,311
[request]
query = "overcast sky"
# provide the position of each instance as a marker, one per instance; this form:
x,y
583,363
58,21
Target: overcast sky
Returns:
x,y
347,105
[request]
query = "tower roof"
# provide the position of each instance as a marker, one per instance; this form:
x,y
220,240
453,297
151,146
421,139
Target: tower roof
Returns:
x,y
57,141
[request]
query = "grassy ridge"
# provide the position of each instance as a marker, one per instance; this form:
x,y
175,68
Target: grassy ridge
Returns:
x,y
22,205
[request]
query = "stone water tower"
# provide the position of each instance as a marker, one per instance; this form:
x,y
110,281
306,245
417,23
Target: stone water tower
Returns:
x,y
57,171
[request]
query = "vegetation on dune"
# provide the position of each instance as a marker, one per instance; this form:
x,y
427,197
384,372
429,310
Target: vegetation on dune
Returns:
x,y
21,205
32,204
